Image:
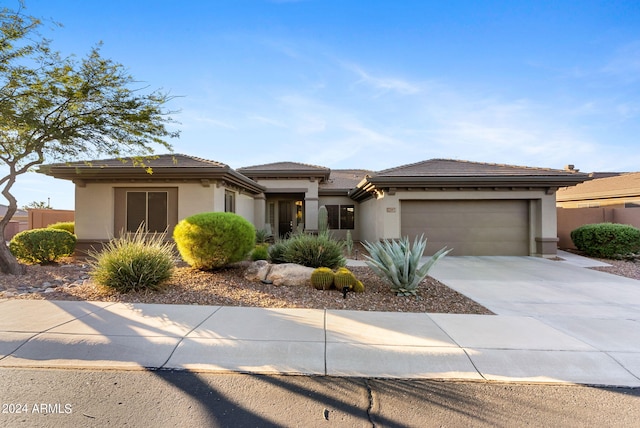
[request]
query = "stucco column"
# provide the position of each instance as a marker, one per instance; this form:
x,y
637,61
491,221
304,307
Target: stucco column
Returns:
x,y
259,211
547,235
311,213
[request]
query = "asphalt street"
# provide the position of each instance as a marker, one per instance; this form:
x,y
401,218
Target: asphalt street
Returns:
x,y
88,398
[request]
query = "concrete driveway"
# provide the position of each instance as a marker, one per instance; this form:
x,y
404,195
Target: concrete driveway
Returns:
x,y
541,288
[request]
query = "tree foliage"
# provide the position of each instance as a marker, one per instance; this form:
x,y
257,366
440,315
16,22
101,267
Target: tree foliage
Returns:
x,y
63,108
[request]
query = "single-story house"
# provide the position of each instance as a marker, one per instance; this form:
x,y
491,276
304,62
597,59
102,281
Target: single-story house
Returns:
x,y
621,190
606,197
474,208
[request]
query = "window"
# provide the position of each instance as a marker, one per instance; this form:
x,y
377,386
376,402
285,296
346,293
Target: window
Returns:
x,y
148,209
341,216
229,201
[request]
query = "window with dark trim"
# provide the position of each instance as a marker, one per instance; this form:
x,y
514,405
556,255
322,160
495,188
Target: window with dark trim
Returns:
x,y
229,201
341,216
148,209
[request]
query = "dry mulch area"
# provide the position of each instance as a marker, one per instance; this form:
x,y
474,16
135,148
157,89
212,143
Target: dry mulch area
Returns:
x,y
69,281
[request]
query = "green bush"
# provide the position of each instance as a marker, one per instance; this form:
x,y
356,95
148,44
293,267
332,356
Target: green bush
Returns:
x,y
213,240
314,251
263,236
607,240
276,251
260,252
133,262
42,245
396,262
69,226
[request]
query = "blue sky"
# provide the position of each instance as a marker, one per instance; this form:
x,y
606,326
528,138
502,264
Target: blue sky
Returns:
x,y
374,84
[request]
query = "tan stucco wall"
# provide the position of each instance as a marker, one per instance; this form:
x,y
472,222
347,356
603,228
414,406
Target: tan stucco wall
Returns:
x,y
343,200
383,215
304,186
95,205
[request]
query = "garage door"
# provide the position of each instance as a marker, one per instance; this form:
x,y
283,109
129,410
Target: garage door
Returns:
x,y
471,228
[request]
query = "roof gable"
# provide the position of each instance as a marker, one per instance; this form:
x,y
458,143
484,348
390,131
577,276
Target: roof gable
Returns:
x,y
462,168
286,170
165,167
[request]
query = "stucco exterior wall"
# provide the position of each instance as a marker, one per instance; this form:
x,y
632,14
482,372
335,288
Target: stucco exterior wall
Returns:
x,y
298,186
245,207
383,215
94,204
343,200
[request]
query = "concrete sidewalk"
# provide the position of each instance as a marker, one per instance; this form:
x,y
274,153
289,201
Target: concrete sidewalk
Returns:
x,y
100,335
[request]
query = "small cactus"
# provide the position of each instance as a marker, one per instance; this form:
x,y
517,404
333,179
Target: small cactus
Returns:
x,y
322,278
344,278
323,220
358,287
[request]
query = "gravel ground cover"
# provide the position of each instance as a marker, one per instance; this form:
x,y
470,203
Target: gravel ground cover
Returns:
x,y
69,280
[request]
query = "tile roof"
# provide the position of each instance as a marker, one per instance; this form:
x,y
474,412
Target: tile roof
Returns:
x,y
461,168
283,166
344,179
157,161
627,184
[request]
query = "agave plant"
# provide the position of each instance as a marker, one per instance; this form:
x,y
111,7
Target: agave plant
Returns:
x,y
396,262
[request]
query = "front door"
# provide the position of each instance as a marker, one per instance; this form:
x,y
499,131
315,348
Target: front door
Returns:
x,y
285,218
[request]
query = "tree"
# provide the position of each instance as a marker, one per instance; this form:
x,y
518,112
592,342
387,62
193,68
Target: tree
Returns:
x,y
38,205
62,108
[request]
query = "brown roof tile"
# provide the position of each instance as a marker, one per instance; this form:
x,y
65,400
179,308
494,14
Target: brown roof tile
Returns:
x,y
622,185
461,168
344,179
283,166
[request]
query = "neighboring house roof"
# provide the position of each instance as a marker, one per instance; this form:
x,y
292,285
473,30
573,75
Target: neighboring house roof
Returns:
x,y
160,167
620,186
19,212
341,181
286,170
449,173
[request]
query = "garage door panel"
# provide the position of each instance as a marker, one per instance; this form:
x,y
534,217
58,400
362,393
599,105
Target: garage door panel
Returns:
x,y
486,227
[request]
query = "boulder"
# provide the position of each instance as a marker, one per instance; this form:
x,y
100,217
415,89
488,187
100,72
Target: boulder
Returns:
x,y
289,274
257,271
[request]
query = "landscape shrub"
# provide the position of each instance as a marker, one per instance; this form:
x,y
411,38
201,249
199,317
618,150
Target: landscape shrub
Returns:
x,y
314,251
263,236
260,252
42,245
276,251
396,263
607,240
213,240
69,226
133,262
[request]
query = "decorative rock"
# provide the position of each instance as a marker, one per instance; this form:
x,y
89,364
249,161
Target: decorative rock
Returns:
x,y
50,290
257,271
46,285
289,274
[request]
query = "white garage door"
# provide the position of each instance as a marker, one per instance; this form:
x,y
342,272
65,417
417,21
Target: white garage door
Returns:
x,y
471,228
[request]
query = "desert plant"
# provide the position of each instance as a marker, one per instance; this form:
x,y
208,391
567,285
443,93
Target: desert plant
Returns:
x,y
133,262
348,243
260,252
344,278
69,226
358,287
323,220
322,278
276,251
213,240
607,240
263,236
314,251
396,262
42,245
